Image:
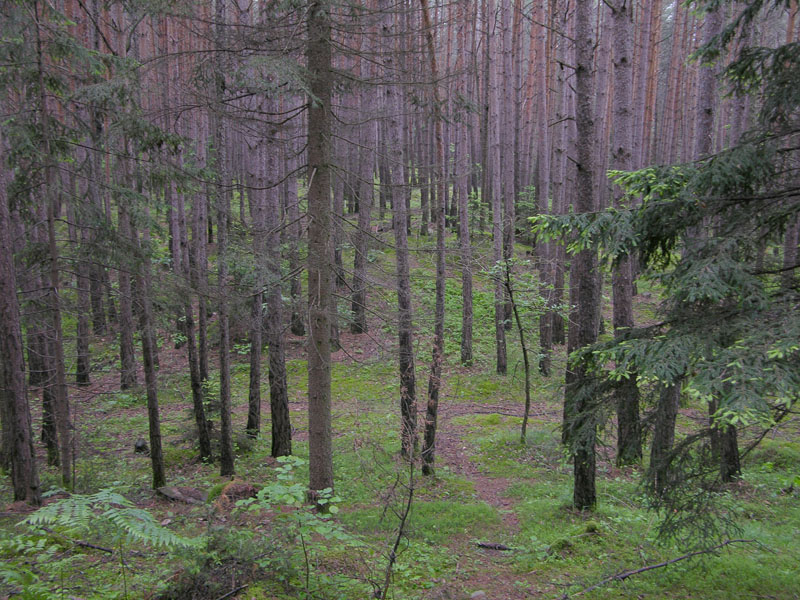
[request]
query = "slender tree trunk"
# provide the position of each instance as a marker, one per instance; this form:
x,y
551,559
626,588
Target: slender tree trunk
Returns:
x,y
508,126
435,380
199,251
465,245
223,181
336,229
127,353
191,346
362,236
278,392
629,442
723,438
394,183
546,250
494,168
663,437
423,176
319,283
257,209
41,356
83,357
61,408
525,360
17,430
147,333
297,326
579,428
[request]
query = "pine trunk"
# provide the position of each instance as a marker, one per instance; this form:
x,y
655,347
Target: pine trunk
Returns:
x,y
319,268
579,426
18,445
629,442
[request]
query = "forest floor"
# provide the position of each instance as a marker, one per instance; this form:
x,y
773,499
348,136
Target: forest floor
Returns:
x,y
494,522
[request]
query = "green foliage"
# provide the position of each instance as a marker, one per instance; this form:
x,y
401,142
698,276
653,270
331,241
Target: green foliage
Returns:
x,y
110,515
36,559
310,532
728,327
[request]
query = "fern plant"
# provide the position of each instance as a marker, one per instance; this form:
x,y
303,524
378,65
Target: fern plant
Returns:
x,y
110,512
106,518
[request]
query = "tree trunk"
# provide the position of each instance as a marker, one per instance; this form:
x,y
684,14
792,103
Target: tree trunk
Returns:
x,y
362,236
629,443
41,357
663,437
147,332
297,326
83,358
191,346
61,408
222,197
17,431
435,382
545,250
495,168
336,227
255,194
579,426
465,246
319,284
723,438
507,126
392,107
127,354
278,393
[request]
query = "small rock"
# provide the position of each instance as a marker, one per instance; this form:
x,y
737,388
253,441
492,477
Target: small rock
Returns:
x,y
479,595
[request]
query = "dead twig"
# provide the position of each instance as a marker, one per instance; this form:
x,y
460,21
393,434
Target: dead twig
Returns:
x,y
233,592
382,592
625,574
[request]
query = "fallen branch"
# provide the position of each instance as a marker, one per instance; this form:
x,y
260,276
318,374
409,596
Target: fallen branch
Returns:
x,y
493,546
234,592
625,574
92,546
79,543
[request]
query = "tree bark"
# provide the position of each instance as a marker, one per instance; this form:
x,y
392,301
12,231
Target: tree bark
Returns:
x,y
362,236
191,346
579,430
723,438
223,180
495,168
297,325
393,185
147,331
629,443
278,392
16,414
255,195
319,56
434,381
663,437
